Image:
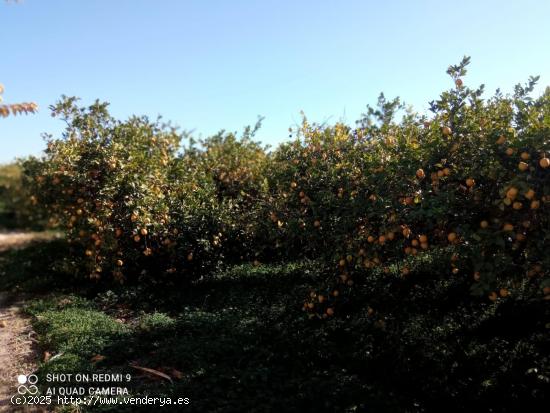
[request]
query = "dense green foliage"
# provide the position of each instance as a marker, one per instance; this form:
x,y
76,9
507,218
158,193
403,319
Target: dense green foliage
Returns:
x,y
475,176
16,208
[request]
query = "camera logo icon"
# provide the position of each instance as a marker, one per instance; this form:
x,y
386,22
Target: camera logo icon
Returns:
x,y
27,384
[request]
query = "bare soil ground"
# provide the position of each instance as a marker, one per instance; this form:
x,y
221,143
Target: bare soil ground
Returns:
x,y
18,350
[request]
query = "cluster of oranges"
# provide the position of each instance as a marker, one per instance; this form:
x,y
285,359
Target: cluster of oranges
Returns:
x,y
512,225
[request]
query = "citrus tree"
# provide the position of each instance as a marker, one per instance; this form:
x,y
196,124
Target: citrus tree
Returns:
x,y
469,182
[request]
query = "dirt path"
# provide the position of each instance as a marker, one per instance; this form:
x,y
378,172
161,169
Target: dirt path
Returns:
x,y
11,240
18,352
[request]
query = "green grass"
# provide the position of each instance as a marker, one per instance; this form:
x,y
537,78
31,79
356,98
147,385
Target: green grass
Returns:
x,y
79,331
226,339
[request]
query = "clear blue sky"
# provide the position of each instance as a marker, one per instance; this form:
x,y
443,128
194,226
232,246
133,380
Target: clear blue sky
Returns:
x,y
208,65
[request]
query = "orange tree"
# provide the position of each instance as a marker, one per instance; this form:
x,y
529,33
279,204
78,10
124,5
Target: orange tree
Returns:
x,y
134,206
15,208
230,173
104,183
471,182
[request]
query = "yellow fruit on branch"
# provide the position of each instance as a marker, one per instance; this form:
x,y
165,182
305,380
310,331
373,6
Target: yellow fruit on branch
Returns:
x,y
544,163
446,131
530,194
517,205
512,193
523,166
